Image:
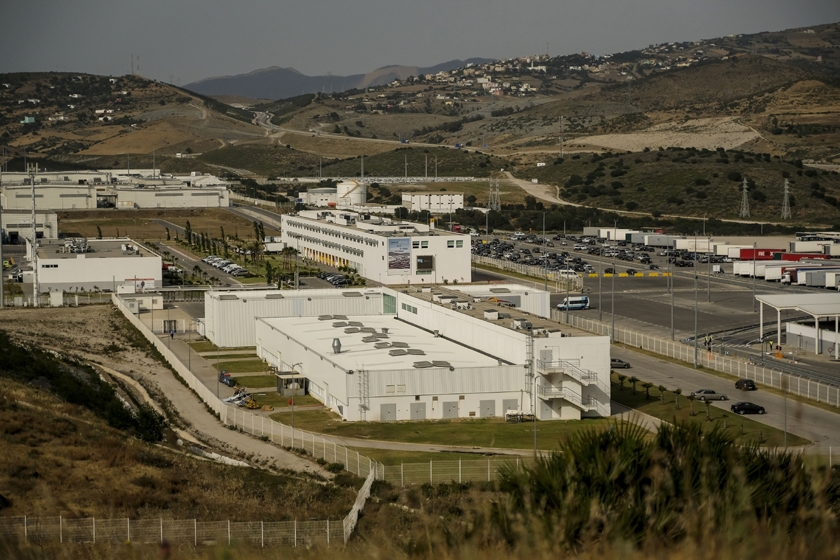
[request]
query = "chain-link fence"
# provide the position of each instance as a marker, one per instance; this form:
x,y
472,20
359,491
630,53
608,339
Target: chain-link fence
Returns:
x,y
437,472
796,384
47,530
260,426
561,279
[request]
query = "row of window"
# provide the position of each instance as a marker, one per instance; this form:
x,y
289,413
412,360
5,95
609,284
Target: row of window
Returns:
x,y
409,308
333,233
49,266
454,244
328,244
419,244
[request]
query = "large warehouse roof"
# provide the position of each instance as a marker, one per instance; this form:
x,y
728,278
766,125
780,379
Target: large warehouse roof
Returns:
x,y
364,345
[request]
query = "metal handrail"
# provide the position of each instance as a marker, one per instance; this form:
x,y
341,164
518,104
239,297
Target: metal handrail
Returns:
x,y
585,376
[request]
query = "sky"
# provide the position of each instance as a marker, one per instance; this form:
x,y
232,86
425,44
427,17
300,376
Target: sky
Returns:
x,y
181,41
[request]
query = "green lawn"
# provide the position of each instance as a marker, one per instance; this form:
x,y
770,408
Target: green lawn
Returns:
x,y
244,366
278,401
256,382
485,432
203,346
743,429
389,457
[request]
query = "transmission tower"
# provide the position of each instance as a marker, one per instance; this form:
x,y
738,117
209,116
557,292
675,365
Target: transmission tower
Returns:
x,y
495,202
786,215
745,200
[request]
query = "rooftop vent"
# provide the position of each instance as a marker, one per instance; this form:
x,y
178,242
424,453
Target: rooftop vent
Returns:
x,y
228,297
420,365
355,323
351,330
274,296
370,339
397,352
340,317
415,352
351,294
382,345
336,346
437,363
325,318
368,330
339,324
399,344
500,290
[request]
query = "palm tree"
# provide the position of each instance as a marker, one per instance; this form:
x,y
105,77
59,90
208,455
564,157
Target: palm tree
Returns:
x,y
647,386
621,380
677,393
662,392
633,380
708,411
691,405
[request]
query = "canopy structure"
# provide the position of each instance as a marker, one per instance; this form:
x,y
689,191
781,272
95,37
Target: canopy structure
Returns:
x,y
816,305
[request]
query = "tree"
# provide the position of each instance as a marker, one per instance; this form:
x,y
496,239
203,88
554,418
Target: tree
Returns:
x,y
168,237
647,386
677,393
621,379
708,411
691,405
633,380
99,232
662,392
401,212
269,272
188,232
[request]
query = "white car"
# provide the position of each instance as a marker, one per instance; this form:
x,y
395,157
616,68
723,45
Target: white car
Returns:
x,y
474,233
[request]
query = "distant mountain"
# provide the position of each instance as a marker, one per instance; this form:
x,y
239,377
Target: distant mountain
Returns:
x,y
280,83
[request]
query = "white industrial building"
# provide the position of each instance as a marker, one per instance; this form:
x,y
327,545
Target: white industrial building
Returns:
x,y
17,224
387,251
48,195
435,203
345,194
87,190
80,264
377,354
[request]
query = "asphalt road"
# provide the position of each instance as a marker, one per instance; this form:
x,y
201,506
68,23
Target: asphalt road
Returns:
x,y
818,425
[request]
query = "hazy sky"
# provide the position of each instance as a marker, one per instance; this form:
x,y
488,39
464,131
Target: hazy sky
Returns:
x,y
186,40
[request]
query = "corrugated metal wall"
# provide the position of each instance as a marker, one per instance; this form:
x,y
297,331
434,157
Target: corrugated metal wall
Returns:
x,y
230,322
442,381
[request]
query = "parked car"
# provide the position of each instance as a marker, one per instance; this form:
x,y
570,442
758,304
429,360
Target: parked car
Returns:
x,y
609,271
631,272
746,408
746,385
708,394
615,363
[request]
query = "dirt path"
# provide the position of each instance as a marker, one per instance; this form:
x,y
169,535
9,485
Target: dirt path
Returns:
x,y
98,334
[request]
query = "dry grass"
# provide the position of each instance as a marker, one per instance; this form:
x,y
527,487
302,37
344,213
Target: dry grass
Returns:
x,y
58,459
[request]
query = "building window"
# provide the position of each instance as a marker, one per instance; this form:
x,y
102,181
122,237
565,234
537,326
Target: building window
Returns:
x,y
415,244
389,388
416,397
434,399
450,244
459,243
424,244
424,272
409,308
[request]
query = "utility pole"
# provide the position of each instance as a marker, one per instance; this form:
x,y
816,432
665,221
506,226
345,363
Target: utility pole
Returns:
x,y
545,265
406,166
32,169
754,251
671,284
600,284
695,303
426,174
612,303
435,168
709,271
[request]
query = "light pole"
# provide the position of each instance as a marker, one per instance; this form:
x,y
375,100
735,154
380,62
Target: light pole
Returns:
x,y
671,284
709,270
695,303
600,284
545,260
754,251
294,389
612,303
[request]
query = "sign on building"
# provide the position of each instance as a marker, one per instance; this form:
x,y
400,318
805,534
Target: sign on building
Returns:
x,y
399,256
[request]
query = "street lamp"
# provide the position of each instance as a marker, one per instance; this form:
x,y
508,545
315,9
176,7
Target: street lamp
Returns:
x,y
709,269
695,303
755,245
545,260
612,303
671,284
293,401
600,284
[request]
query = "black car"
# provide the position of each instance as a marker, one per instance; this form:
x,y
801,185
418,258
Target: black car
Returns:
x,y
746,385
609,271
747,408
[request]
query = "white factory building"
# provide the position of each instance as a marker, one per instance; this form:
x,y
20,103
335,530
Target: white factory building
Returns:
x,y
377,354
79,264
345,194
435,203
17,224
88,190
387,251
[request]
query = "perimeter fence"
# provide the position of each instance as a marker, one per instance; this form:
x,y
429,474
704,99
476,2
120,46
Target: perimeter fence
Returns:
x,y
764,374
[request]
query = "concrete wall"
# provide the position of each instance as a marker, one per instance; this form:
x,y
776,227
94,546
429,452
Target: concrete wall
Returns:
x,y
20,222
50,197
86,271
209,197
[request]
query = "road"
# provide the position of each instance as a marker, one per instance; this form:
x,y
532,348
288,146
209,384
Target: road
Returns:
x,y
820,426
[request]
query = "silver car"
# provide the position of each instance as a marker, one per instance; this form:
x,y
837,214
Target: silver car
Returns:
x,y
708,394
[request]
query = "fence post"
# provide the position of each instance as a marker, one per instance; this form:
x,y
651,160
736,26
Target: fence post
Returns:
x,y
488,470
195,532
431,473
328,531
262,534
347,458
459,471
295,532
161,530
128,525
358,464
402,475
228,532
94,530
60,530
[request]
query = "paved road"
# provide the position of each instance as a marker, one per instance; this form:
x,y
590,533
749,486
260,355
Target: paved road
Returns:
x,y
818,425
